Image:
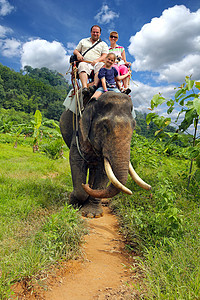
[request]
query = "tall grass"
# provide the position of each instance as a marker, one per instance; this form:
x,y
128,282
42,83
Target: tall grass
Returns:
x,y
37,227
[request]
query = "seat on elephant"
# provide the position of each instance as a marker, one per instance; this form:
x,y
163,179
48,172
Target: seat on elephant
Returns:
x,y
75,77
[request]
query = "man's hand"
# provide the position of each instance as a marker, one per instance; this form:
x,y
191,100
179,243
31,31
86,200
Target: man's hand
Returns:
x,y
94,62
80,57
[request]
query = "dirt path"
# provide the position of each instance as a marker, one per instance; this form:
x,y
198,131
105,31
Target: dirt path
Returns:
x,y
102,273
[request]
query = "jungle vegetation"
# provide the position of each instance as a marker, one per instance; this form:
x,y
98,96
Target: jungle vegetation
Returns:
x,y
45,90
32,89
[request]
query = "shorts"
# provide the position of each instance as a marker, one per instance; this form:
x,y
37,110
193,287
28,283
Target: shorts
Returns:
x,y
116,90
88,68
121,69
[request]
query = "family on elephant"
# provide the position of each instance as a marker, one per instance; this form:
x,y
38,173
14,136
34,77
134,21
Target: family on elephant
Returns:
x,y
91,54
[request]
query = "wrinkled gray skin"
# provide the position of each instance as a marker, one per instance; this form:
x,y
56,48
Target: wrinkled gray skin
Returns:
x,y
105,130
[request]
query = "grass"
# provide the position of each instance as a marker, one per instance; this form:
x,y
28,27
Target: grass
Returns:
x,y
37,227
162,225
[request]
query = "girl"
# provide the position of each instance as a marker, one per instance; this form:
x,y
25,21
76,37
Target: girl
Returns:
x,y
108,76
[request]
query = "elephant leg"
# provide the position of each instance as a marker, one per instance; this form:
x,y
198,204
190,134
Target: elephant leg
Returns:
x,y
67,126
97,179
79,174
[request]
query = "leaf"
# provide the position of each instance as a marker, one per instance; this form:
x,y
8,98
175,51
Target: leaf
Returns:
x,y
161,135
170,110
197,85
170,102
157,132
167,121
188,120
190,84
189,96
159,120
149,117
178,94
196,104
38,119
194,152
157,100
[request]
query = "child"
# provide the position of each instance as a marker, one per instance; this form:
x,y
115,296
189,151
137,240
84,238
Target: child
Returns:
x,y
108,76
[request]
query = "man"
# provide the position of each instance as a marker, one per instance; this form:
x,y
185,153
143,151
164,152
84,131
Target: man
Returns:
x,y
94,56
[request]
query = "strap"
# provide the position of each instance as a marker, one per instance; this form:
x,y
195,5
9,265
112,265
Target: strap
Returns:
x,y
99,41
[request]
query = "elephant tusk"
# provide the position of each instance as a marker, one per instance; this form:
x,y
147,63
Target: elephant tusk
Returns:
x,y
113,178
137,178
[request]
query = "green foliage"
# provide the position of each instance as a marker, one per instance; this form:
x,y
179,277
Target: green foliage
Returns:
x,y
188,98
148,129
191,108
44,135
37,89
53,149
162,225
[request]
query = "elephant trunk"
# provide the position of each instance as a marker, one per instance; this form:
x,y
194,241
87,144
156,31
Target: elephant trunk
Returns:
x,y
114,188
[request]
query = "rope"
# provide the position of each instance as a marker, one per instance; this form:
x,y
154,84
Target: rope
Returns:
x,y
78,111
68,70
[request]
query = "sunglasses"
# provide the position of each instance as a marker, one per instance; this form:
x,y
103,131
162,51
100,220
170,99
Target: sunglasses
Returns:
x,y
113,37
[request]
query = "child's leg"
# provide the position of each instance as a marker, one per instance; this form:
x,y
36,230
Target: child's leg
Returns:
x,y
119,86
126,82
97,94
124,70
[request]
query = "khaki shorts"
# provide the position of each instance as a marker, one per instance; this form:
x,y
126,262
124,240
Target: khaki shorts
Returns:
x,y
86,67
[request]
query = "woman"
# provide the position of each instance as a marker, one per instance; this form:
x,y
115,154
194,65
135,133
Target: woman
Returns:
x,y
121,64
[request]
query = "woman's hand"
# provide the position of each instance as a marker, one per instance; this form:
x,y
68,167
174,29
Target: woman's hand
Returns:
x,y
128,64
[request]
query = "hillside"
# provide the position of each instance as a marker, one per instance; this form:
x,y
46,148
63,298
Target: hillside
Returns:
x,y
32,89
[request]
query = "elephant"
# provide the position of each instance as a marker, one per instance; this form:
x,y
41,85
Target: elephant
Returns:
x,y
100,151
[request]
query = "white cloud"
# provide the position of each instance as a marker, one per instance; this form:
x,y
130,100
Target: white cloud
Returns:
x,y
4,31
142,94
10,47
106,15
41,53
169,45
70,47
5,8
177,70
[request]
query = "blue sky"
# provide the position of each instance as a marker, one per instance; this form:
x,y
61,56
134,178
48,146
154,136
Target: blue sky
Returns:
x,y
161,38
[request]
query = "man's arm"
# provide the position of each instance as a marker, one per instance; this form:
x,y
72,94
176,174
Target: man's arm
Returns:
x,y
79,55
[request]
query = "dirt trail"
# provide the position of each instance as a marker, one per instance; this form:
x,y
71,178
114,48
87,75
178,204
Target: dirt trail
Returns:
x,y
102,273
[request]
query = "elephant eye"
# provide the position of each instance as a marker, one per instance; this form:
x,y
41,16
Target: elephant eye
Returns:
x,y
106,128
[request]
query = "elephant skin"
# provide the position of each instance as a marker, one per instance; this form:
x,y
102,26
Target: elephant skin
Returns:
x,y
104,132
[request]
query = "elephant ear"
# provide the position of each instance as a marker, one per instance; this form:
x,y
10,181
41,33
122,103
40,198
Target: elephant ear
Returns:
x,y
86,120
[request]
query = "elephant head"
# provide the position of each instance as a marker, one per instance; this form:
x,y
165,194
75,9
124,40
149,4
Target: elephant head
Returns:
x,y
107,125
